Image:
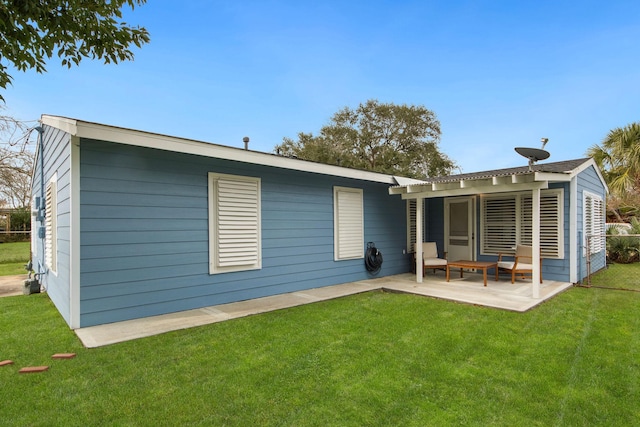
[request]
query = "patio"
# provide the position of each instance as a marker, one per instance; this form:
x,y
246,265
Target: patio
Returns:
x,y
470,290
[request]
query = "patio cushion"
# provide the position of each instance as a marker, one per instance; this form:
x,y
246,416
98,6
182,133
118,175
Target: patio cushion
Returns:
x,y
506,264
509,265
523,266
428,262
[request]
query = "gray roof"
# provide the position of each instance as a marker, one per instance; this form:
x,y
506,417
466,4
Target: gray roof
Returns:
x,y
565,166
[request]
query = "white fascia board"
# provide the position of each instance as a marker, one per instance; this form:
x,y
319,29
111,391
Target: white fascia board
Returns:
x,y
554,177
180,145
397,190
62,123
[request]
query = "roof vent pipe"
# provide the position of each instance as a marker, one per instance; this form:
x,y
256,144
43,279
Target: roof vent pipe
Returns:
x,y
246,142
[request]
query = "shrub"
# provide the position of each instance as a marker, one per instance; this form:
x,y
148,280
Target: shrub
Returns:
x,y
624,249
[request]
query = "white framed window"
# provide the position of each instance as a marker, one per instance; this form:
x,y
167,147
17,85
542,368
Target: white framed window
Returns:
x,y
234,223
507,221
348,223
411,224
51,225
593,222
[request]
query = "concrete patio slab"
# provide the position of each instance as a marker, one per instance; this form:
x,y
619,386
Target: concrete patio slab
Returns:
x,y
12,285
470,290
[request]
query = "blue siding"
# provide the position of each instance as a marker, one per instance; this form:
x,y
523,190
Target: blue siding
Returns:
x,y
57,160
144,233
588,180
434,227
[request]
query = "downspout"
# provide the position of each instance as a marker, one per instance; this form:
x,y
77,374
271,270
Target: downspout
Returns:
x,y
41,208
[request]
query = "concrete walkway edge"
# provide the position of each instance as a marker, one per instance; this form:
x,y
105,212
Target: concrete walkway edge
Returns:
x,y
471,293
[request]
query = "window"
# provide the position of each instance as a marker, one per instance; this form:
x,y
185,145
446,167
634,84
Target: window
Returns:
x,y
234,223
411,224
507,221
51,225
348,223
593,222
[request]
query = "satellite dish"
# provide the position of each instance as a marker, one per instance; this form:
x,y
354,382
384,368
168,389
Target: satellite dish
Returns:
x,y
534,154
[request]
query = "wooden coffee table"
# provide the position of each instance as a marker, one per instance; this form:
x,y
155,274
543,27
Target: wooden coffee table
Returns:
x,y
478,265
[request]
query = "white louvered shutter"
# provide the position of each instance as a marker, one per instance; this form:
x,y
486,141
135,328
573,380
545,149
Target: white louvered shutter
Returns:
x,y
588,222
236,223
594,226
598,223
349,223
51,238
550,223
499,225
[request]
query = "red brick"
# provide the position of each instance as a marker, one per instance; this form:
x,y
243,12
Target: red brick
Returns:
x,y
32,369
63,356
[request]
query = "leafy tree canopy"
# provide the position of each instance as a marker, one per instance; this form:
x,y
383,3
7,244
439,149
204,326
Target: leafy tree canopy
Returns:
x,y
32,31
618,156
387,138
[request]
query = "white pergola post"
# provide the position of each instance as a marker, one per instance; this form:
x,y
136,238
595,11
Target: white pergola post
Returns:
x,y
535,242
419,222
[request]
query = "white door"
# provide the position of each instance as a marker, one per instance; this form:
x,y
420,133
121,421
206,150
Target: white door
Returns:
x,y
459,228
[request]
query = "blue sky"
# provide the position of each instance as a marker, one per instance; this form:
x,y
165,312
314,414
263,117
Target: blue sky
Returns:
x,y
498,74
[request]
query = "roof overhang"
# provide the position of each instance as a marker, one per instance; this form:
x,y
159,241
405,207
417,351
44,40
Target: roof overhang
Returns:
x,y
138,138
488,185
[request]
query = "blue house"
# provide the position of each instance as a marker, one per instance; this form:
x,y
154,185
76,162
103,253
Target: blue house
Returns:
x,y
130,224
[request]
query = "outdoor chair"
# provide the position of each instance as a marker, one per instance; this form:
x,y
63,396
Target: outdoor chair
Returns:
x,y
522,263
430,257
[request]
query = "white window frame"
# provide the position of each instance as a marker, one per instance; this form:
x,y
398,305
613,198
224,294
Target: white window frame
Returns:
x,y
51,225
593,222
348,223
518,223
235,225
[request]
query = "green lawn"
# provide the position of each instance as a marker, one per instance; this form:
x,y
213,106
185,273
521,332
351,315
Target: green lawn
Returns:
x,y
13,257
369,359
618,276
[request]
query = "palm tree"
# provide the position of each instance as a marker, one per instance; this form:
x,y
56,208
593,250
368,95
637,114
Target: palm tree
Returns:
x,y
619,159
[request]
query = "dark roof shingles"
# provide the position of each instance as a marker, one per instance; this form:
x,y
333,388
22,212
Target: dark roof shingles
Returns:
x,y
554,167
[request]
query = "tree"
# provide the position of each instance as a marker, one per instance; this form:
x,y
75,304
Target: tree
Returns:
x,y
16,163
31,31
619,159
387,138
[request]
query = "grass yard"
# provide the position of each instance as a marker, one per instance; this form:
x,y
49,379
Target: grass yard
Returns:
x,y
618,276
13,257
368,359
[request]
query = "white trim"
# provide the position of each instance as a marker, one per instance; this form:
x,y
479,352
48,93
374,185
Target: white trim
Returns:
x,y
535,242
181,145
353,221
573,230
74,256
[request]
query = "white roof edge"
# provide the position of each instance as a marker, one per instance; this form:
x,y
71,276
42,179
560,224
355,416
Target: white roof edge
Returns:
x,y
140,138
400,180
585,165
